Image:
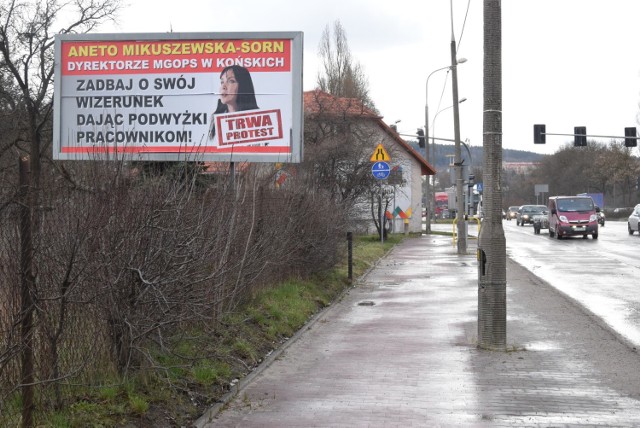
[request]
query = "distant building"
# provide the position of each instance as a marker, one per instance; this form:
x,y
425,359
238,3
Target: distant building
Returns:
x,y
520,167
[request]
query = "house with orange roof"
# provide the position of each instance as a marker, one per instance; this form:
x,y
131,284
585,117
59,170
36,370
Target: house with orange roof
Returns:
x,y
403,187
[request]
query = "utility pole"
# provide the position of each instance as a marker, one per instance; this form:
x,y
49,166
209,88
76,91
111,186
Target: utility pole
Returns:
x,y
492,270
460,218
427,184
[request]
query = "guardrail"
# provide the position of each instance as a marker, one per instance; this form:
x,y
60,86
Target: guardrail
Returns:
x,y
454,235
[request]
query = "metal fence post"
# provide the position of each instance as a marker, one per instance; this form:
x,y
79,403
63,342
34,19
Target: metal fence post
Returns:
x,y
350,255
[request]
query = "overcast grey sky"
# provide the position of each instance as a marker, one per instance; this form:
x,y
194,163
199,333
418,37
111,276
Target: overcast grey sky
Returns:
x,y
565,63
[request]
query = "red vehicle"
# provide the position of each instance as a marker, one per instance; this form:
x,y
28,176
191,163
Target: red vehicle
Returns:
x,y
573,215
442,203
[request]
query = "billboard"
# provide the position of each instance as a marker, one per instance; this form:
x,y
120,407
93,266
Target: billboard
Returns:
x,y
179,96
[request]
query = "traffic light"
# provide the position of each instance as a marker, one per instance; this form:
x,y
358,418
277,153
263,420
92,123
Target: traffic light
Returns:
x,y
630,137
580,136
421,142
539,136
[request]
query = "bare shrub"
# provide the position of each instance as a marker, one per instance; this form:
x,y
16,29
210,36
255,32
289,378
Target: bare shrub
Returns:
x,y
128,267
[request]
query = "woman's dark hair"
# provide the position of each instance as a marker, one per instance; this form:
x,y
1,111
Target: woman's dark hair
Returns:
x,y
246,99
246,94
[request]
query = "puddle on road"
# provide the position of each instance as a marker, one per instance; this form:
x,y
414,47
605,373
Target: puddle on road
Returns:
x,y
541,346
390,284
453,262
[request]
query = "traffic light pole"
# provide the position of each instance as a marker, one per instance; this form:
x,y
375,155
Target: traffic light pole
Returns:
x,y
615,137
580,134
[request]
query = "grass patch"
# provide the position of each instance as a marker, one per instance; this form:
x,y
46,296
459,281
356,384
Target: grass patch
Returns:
x,y
367,250
282,310
138,404
244,350
208,372
108,393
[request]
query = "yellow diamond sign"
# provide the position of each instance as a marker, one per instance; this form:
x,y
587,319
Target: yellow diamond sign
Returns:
x,y
380,155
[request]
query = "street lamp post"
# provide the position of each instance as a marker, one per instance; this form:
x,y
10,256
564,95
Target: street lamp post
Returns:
x,y
433,128
428,190
433,122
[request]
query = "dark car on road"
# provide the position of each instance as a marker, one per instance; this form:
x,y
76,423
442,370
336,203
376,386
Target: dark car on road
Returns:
x,y
526,213
512,212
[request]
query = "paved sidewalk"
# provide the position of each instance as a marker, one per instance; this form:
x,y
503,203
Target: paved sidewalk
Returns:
x,y
399,350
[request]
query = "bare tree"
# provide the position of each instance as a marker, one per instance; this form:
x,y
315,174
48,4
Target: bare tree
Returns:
x,y
27,33
27,36
340,134
342,76
338,138
607,168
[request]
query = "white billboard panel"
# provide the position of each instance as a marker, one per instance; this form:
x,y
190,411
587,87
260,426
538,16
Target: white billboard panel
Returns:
x,y
179,96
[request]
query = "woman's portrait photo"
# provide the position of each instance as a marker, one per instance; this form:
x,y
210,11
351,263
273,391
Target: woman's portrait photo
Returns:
x,y
236,94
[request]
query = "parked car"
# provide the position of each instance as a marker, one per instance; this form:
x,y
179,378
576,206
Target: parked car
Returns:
x,y
634,220
527,212
512,212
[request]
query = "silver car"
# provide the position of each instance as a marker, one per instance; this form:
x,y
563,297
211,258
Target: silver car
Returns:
x,y
633,223
540,221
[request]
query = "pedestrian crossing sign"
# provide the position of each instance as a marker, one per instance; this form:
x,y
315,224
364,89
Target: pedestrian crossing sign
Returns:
x,y
380,155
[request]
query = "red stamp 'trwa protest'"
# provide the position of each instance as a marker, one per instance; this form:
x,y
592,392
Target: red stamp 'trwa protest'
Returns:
x,y
249,127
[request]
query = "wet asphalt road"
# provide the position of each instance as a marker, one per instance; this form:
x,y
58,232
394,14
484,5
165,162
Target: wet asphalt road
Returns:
x,y
601,275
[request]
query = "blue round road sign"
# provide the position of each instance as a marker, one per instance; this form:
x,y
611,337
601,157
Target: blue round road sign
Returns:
x,y
380,170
